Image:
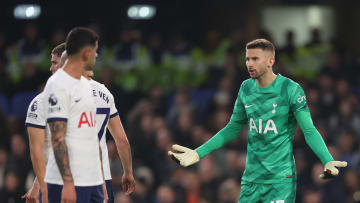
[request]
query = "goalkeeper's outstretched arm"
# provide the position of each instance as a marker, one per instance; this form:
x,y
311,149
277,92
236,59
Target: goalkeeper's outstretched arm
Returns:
x,y
187,157
317,144
232,130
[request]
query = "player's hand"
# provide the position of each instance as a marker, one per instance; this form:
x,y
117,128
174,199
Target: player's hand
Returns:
x,y
106,198
128,183
183,155
26,195
330,169
68,194
32,196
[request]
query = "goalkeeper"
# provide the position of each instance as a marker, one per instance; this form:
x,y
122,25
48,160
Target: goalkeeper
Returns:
x,y
272,106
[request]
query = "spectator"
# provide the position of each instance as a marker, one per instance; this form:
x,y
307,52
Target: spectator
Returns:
x,y
11,192
229,191
3,161
165,194
19,160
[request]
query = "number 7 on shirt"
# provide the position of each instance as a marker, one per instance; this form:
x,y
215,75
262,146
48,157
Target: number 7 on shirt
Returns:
x,y
106,112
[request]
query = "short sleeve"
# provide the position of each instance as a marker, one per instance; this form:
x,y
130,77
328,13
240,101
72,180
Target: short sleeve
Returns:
x,y
298,99
57,104
113,110
35,116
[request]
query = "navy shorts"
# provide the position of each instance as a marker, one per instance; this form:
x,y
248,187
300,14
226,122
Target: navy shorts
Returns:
x,y
87,194
109,190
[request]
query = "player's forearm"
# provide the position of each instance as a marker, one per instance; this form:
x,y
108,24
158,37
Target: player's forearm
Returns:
x,y
122,144
313,137
101,163
37,142
36,183
103,175
124,151
106,197
231,131
37,159
58,132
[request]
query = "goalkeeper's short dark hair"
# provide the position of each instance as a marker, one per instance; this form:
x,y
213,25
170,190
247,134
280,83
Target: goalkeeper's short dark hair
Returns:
x,y
79,38
59,49
263,44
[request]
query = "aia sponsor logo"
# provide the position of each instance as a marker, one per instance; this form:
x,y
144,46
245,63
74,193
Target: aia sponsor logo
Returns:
x,y
87,119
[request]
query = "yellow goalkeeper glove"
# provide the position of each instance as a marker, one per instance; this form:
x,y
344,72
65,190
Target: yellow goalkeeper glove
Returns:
x,y
183,155
330,169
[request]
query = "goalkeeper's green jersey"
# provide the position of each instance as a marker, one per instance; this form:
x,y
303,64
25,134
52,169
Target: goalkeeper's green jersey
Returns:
x,y
271,127
272,114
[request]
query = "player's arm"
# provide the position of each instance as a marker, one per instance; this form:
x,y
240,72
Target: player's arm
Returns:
x,y
312,137
58,133
35,126
317,145
106,197
123,147
229,133
232,130
37,146
57,103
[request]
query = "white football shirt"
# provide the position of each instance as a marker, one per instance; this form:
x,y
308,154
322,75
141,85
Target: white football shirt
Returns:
x,y
105,110
69,99
35,117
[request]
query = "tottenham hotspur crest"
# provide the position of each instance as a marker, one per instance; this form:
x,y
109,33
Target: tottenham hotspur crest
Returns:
x,y
274,111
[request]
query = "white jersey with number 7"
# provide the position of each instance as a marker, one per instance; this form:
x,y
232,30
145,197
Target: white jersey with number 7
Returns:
x,y
105,110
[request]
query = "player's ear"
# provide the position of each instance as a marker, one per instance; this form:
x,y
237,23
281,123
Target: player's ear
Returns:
x,y
85,54
271,61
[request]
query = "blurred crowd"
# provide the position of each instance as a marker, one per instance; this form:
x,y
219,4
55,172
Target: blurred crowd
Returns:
x,y
169,89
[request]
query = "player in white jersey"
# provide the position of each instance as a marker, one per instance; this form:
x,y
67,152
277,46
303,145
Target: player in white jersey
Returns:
x,y
73,171
35,124
107,117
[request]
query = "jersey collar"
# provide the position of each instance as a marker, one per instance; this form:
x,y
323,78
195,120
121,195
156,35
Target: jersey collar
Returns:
x,y
270,87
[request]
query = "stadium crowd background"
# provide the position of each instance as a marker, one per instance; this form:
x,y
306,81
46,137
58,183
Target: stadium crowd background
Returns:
x,y
174,87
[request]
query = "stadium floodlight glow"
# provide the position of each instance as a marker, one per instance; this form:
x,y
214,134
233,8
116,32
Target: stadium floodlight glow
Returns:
x,y
141,12
133,12
27,11
315,16
144,11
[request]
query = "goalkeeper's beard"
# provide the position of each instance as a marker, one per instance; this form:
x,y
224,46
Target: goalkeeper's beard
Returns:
x,y
257,74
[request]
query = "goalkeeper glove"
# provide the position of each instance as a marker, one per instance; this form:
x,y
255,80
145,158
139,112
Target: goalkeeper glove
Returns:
x,y
184,156
330,169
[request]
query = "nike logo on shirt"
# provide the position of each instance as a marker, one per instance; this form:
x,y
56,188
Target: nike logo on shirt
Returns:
x,y
248,106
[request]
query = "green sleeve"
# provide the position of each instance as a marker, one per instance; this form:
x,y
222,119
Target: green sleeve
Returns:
x,y
302,114
313,137
231,131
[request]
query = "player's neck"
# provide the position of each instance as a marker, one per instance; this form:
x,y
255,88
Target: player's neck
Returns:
x,y
266,79
74,68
